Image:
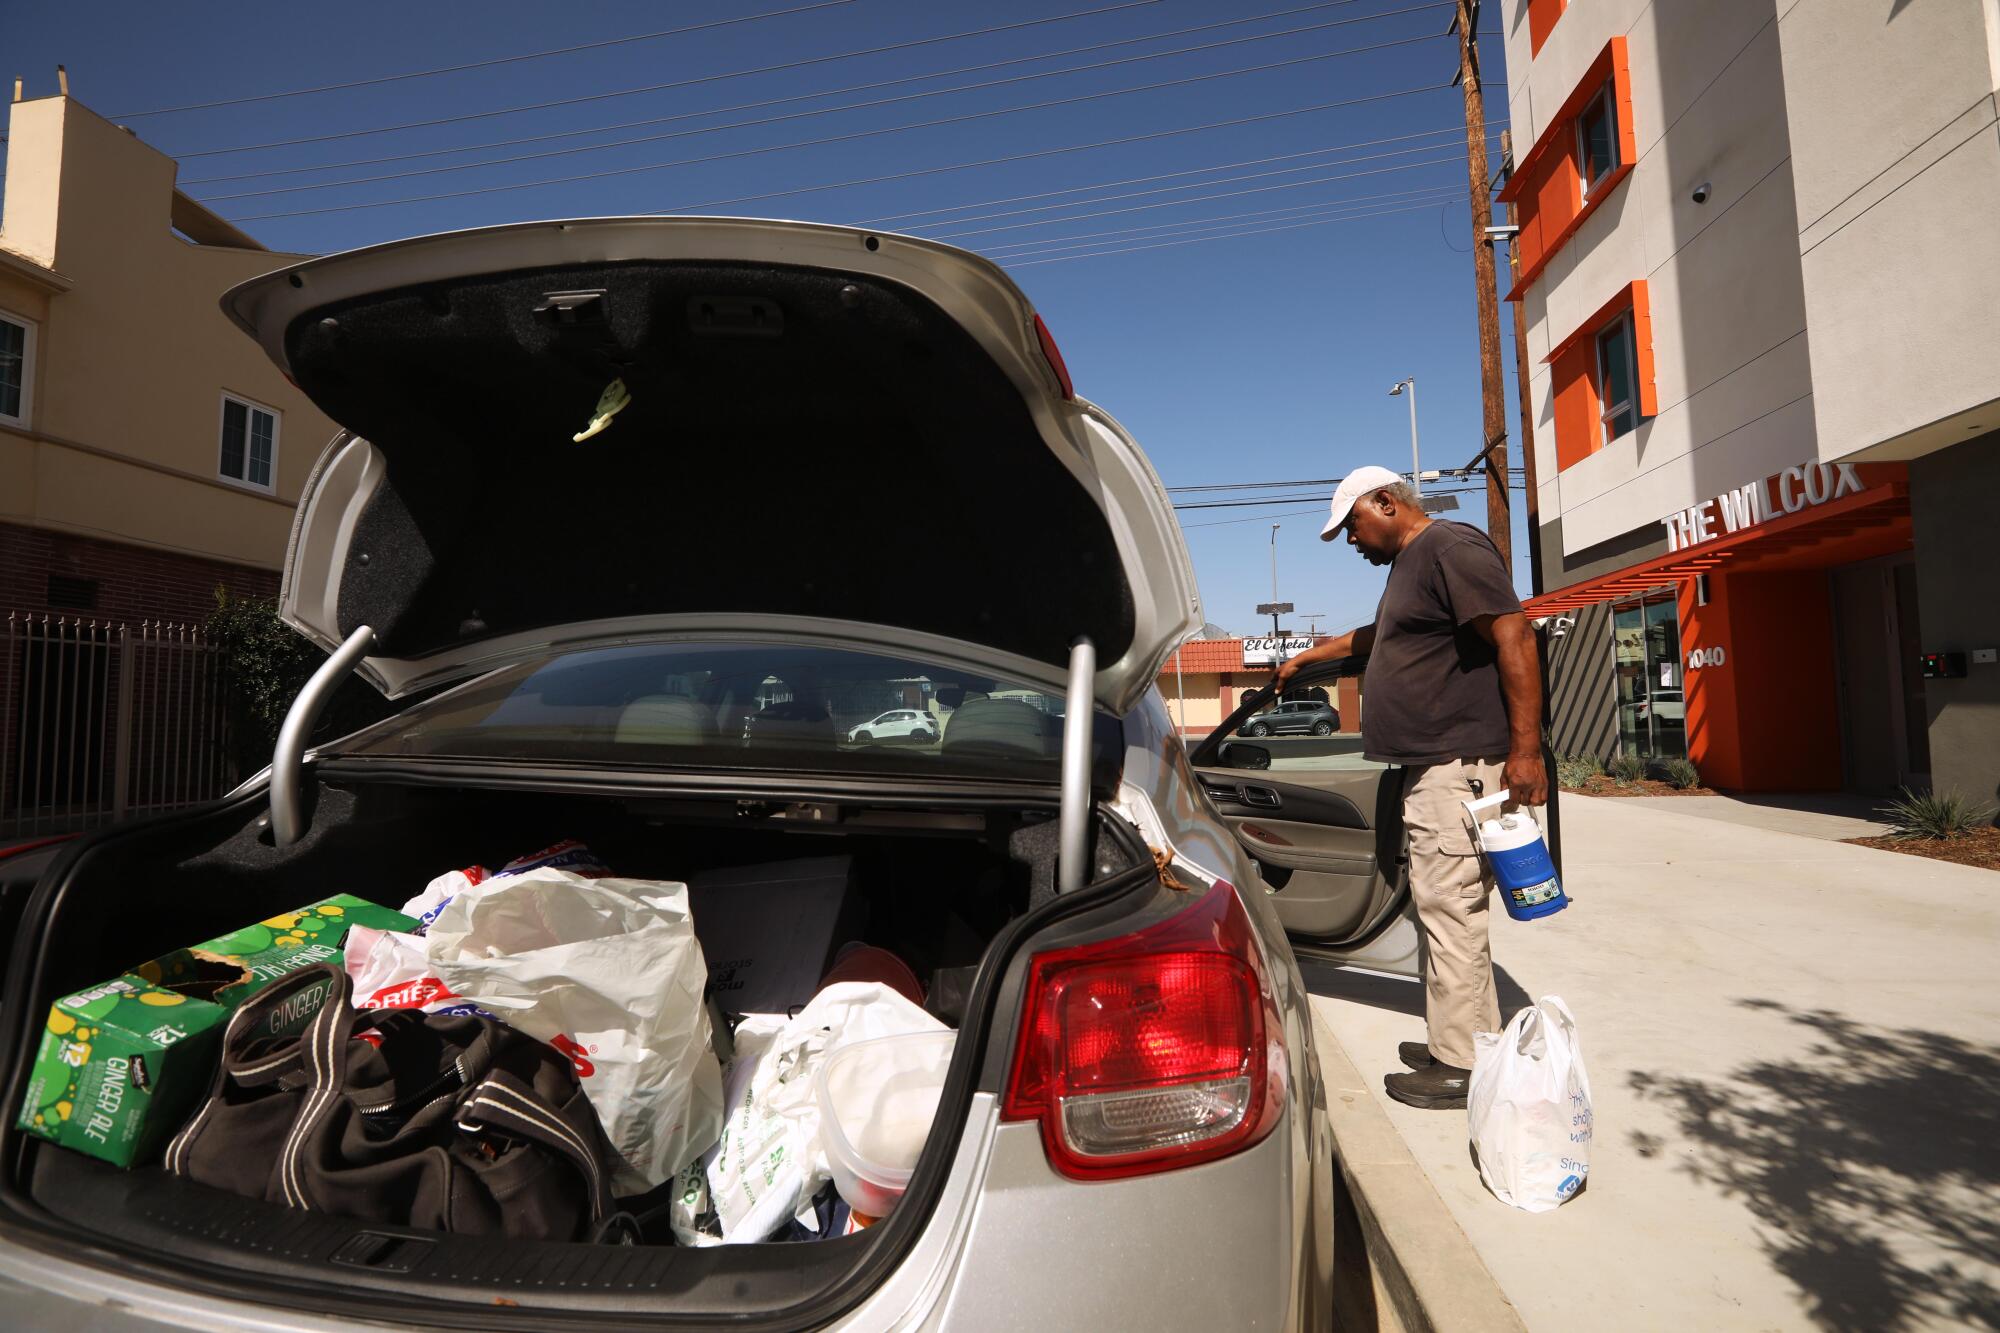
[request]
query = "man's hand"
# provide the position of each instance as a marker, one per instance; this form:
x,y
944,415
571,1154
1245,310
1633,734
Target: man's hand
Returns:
x,y
1286,670
1527,779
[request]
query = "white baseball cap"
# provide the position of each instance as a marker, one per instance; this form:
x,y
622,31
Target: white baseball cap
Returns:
x,y
1362,481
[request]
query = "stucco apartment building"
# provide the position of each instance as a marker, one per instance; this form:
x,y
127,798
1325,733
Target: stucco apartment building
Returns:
x,y
148,450
148,453
1760,272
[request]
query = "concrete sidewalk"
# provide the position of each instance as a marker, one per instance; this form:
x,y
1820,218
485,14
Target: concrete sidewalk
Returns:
x,y
1794,1052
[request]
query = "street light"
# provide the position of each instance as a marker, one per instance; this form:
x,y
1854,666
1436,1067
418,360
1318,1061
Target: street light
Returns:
x,y
1416,471
1274,572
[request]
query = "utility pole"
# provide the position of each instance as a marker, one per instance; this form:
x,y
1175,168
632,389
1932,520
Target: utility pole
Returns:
x,y
1492,392
1521,376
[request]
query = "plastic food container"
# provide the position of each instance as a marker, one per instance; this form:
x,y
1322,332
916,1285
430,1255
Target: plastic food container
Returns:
x,y
877,1100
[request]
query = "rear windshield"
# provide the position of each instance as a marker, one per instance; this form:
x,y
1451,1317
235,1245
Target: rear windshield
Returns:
x,y
739,705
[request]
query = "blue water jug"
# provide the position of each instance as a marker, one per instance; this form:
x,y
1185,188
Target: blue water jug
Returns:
x,y
1512,843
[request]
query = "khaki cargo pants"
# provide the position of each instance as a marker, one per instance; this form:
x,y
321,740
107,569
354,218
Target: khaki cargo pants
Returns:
x,y
1451,886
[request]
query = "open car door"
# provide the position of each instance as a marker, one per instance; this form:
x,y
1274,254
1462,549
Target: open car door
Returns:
x,y
1323,823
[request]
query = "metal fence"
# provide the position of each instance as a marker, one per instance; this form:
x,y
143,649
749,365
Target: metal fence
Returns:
x,y
101,719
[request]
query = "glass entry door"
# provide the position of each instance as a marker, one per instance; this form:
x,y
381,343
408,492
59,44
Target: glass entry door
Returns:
x,y
1646,652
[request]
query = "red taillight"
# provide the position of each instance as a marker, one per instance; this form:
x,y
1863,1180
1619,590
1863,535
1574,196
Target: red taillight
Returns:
x,y
1153,1050
1053,355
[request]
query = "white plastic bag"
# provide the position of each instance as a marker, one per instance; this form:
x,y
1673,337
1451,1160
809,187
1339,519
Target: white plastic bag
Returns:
x,y
391,970
770,1160
1529,1108
607,971
568,854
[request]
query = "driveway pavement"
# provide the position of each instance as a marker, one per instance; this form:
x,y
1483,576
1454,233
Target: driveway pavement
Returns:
x,y
1794,1051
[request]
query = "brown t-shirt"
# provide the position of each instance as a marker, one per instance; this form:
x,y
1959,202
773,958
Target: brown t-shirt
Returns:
x,y
1433,687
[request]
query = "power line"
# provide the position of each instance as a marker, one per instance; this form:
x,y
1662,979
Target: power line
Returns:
x,y
1171,189
1254,231
487,64
1038,153
582,98
1165,175
802,97
1253,518
1225,194
1022,249
816,112
849,137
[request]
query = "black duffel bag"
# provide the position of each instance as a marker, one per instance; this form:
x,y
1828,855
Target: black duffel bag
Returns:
x,y
452,1122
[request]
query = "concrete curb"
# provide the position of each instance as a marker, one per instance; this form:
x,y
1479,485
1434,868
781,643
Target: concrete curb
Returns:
x,y
1422,1273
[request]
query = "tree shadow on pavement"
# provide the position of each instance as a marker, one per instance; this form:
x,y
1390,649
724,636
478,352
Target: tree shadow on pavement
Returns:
x,y
1872,1160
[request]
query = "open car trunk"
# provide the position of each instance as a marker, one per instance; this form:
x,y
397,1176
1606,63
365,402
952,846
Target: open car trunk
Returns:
x,y
943,887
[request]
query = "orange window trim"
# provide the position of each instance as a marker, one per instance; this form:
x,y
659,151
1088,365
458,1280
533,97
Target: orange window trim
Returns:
x,y
1545,188
1542,16
1579,430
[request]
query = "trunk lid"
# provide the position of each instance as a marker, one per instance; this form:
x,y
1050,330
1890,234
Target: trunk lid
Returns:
x,y
799,428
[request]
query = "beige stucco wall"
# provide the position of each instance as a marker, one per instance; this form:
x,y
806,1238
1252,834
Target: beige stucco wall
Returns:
x,y
1892,118
1202,707
1731,370
132,360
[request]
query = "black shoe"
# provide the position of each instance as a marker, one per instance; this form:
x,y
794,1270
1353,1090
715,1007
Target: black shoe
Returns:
x,y
1437,1087
1416,1054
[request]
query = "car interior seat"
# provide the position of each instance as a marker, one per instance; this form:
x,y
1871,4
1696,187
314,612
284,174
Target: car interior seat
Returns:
x,y
1002,726
665,719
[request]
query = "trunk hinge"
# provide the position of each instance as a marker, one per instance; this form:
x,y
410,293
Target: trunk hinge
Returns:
x,y
288,818
1073,830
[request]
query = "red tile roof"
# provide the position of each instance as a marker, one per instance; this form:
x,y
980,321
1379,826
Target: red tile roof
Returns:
x,y
1207,655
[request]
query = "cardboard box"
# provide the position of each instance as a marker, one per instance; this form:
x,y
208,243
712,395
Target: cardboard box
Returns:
x,y
769,932
229,969
119,1068
121,1064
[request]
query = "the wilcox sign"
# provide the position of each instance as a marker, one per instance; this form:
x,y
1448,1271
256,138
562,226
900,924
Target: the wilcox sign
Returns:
x,y
1267,651
1784,492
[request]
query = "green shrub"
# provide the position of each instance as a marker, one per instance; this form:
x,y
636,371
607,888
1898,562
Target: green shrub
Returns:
x,y
263,663
1576,770
1934,815
1627,769
1680,773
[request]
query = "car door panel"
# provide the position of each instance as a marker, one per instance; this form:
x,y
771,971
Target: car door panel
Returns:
x,y
1328,841
1320,854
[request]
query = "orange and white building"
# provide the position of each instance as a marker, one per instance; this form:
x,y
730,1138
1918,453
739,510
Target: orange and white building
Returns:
x,y
1759,271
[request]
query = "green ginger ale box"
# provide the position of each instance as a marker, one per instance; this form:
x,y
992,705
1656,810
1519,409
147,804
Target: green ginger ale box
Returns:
x,y
120,1065
229,969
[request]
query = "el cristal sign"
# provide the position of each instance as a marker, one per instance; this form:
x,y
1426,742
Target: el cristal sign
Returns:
x,y
1267,650
1784,492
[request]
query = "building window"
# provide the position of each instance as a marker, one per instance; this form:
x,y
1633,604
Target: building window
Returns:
x,y
1617,378
1602,376
1597,140
17,352
249,443
1585,150
1646,652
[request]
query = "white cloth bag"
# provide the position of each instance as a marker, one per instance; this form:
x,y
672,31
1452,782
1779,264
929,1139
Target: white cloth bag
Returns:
x,y
608,971
1529,1108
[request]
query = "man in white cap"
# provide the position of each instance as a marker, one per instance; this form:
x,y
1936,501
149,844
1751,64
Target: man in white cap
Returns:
x,y
1454,699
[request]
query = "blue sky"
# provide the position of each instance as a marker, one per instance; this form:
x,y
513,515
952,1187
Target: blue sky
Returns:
x,y
1214,306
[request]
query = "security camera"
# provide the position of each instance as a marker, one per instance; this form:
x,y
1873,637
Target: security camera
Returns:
x,y
1701,192
1560,626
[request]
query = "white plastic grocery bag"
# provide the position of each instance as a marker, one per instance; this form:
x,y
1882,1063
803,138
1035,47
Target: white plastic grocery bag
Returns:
x,y
771,1158
1529,1108
608,972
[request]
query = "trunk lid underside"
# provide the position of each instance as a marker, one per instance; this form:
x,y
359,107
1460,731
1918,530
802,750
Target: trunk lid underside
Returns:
x,y
816,431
